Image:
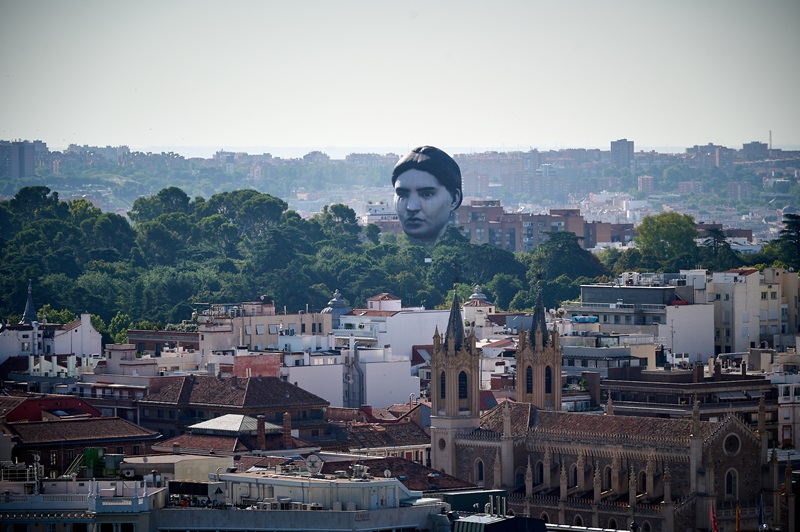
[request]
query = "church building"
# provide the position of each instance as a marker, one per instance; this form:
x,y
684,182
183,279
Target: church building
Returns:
x,y
595,469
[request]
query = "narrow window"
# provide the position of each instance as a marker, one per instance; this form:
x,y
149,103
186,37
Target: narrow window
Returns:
x,y
548,380
442,384
462,385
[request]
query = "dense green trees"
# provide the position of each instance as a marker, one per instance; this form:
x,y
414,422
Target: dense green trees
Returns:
x,y
666,241
237,245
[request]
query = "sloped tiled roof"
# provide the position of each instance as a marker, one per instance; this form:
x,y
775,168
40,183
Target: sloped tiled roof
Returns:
x,y
521,418
78,430
421,354
592,427
252,392
477,303
382,414
224,444
645,429
487,399
8,404
385,296
371,435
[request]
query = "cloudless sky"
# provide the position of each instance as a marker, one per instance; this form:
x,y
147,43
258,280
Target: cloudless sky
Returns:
x,y
390,75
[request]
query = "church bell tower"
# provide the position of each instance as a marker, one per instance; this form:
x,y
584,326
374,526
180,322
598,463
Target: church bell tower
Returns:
x,y
455,389
539,363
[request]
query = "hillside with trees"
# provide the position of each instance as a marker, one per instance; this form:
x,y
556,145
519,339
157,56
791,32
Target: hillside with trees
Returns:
x,y
178,252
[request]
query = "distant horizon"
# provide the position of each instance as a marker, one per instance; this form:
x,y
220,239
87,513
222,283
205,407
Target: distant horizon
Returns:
x,y
340,152
197,76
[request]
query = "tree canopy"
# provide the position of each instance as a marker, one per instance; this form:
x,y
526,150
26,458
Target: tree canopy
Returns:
x,y
236,245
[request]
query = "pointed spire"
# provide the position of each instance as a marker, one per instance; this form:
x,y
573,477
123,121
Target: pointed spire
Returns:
x,y
539,323
29,316
455,324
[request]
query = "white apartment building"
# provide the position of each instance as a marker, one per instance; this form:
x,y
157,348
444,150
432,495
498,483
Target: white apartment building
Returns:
x,y
78,337
673,308
254,325
385,322
353,376
754,309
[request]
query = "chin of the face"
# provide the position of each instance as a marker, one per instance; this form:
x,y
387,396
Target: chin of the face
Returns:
x,y
425,236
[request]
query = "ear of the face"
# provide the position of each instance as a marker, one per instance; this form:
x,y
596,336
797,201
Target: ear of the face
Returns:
x,y
456,199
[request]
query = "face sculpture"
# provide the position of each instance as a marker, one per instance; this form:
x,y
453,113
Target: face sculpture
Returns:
x,y
423,204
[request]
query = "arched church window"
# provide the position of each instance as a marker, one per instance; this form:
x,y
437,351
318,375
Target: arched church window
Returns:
x,y
462,385
548,380
731,484
442,384
479,471
538,477
529,380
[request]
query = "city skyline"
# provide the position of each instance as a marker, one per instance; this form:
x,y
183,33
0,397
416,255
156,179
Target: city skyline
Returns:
x,y
194,78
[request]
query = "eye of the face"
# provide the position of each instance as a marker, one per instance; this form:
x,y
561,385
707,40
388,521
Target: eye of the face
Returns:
x,y
427,192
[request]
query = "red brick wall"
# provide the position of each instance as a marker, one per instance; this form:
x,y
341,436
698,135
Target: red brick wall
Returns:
x,y
264,365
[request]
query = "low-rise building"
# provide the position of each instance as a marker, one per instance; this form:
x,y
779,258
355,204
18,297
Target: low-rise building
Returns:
x,y
673,308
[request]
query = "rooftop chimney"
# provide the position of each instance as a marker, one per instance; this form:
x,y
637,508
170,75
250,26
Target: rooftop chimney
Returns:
x,y
287,430
262,435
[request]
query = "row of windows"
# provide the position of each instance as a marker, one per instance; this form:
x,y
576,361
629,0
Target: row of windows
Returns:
x,y
279,329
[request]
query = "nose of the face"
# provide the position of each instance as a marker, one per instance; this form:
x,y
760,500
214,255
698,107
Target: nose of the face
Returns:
x,y
413,204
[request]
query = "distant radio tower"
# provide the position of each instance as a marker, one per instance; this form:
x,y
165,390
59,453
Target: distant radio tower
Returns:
x,y
770,140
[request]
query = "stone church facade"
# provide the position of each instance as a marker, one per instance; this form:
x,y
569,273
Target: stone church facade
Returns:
x,y
595,470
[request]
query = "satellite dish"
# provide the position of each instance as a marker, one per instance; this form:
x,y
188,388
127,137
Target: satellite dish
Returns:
x,y
314,464
387,473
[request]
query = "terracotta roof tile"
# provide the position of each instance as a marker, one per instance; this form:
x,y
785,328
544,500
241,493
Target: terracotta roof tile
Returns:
x,y
385,296
78,430
371,435
251,392
591,427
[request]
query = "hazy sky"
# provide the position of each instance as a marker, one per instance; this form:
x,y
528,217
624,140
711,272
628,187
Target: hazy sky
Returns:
x,y
462,75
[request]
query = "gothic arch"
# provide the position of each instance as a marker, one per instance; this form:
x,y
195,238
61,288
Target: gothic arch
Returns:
x,y
731,483
641,482
544,517
442,385
573,476
607,478
548,379
463,385
612,524
529,380
479,473
578,521
538,473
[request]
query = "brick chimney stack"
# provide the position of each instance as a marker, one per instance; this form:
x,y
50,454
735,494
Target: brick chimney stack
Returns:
x,y
287,430
261,433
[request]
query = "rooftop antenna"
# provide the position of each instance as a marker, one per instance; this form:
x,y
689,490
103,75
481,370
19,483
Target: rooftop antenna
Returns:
x,y
770,140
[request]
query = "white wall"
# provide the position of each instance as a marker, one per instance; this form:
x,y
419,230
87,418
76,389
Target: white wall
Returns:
x,y
388,383
326,381
409,328
83,340
693,330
